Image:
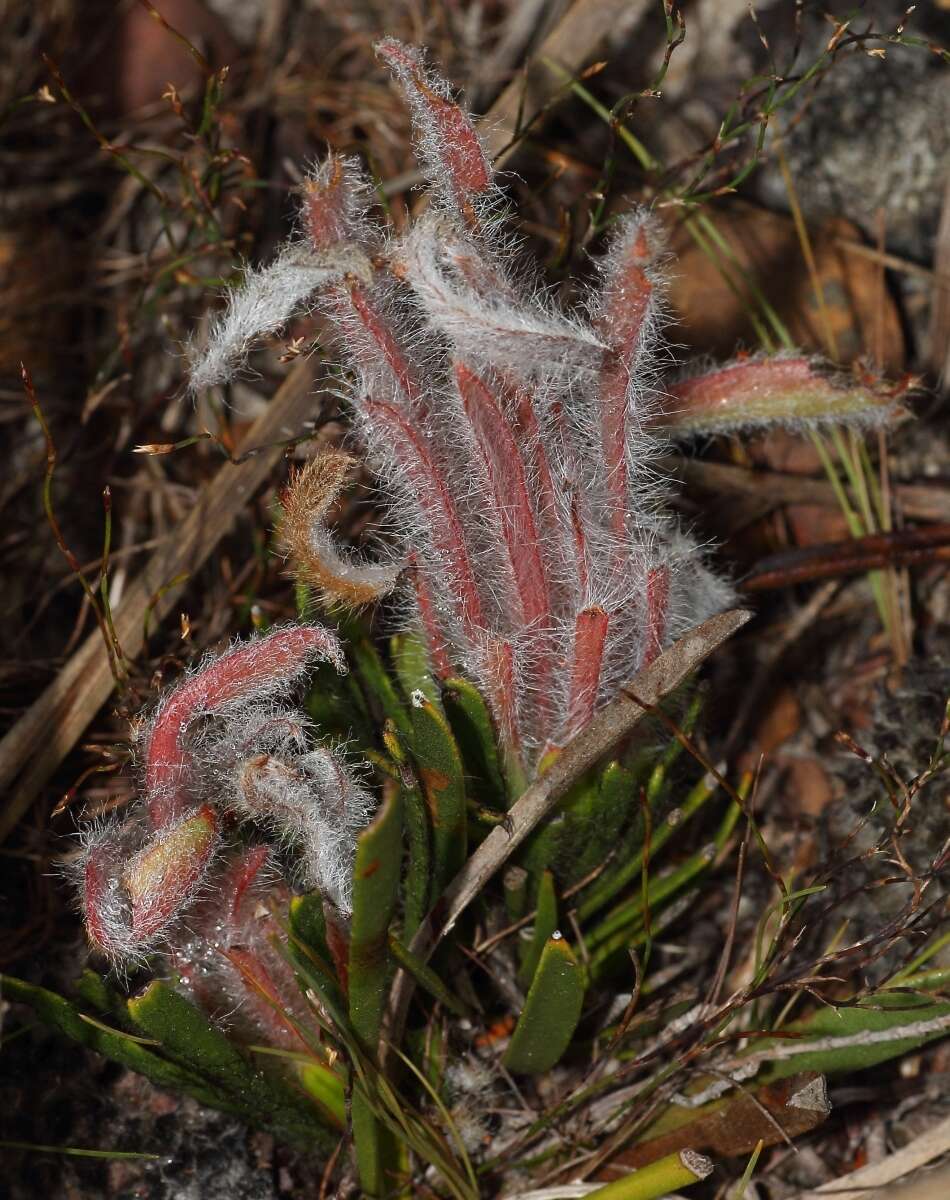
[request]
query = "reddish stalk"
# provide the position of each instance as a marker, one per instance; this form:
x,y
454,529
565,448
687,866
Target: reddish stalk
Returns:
x,y
432,495
435,638
658,600
382,338
505,469
447,132
590,635
628,296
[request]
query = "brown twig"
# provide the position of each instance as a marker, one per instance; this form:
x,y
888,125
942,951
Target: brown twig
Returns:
x,y
918,502
856,556
771,1114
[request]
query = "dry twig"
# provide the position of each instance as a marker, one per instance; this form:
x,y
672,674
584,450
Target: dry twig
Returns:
x,y
31,751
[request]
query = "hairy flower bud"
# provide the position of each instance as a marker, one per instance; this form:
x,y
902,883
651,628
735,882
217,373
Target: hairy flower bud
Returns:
x,y
167,873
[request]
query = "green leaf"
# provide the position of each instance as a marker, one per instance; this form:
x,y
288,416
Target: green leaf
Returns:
x,y
377,682
410,660
191,1057
874,1027
545,923
376,1150
61,1014
98,994
376,875
426,978
316,975
551,1011
595,826
543,847
309,924
185,1032
442,778
309,954
586,826
189,1037
336,705
475,734
326,1089
628,861
415,887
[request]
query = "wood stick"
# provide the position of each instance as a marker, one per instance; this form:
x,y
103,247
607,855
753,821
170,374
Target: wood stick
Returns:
x,y
854,556
917,502
864,1183
32,750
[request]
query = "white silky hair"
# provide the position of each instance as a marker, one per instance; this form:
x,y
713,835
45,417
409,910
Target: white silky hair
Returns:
x,y
452,289
263,763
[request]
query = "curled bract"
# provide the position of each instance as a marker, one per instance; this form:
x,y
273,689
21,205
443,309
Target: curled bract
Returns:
x,y
337,574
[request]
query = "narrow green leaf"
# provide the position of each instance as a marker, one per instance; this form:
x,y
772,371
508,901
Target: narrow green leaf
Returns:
x,y
377,682
376,875
375,1147
410,660
308,923
415,887
426,978
61,1014
417,883
472,725
309,954
551,1011
595,827
872,1031
188,1036
77,1152
327,1091
543,847
545,923
629,858
442,778
95,991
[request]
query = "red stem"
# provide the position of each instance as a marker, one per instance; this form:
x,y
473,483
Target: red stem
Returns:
x,y
505,469
658,600
590,635
433,497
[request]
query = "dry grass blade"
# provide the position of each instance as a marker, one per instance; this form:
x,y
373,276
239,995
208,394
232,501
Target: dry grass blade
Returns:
x,y
31,751
570,44
864,1184
918,502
